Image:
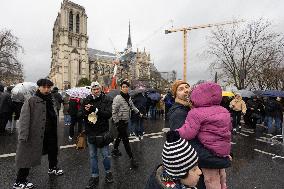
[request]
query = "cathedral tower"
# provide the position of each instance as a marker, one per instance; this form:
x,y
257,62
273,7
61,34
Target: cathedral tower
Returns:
x,y
69,46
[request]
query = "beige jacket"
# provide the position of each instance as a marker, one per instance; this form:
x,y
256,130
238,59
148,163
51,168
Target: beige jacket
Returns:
x,y
238,105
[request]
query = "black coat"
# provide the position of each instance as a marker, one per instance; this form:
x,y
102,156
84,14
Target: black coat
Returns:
x,y
57,99
279,110
140,103
257,108
6,105
104,104
177,115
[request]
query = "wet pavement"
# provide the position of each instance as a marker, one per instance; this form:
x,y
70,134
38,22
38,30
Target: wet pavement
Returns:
x,y
257,163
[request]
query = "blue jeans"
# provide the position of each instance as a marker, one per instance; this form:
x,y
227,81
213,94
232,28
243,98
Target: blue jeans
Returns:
x,y
131,127
153,112
67,119
139,126
277,123
93,150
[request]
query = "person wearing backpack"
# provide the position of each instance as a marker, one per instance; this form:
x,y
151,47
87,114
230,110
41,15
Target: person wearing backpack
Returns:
x,y
74,107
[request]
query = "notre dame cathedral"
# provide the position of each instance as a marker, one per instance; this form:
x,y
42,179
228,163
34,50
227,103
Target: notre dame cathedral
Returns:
x,y
73,60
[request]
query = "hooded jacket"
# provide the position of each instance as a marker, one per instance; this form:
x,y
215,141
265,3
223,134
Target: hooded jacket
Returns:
x,y
238,105
208,121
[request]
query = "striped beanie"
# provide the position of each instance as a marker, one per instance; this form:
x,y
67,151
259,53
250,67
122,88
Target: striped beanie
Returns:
x,y
178,155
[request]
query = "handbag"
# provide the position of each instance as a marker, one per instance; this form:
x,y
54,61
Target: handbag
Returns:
x,y
81,142
102,139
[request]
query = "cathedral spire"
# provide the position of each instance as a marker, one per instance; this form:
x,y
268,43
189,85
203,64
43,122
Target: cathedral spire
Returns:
x,y
129,44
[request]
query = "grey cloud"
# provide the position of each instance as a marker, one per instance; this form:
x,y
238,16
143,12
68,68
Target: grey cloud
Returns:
x,y
32,21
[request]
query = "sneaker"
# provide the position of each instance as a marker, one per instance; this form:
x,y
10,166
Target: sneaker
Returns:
x,y
240,128
55,171
132,135
116,153
24,185
109,178
70,138
93,182
133,163
234,131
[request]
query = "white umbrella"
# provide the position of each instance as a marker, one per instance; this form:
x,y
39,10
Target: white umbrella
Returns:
x,y
79,92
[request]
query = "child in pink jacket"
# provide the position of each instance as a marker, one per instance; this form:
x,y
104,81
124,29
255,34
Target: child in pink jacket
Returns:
x,y
210,125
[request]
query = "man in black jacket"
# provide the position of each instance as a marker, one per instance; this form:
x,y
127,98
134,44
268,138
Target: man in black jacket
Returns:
x,y
5,108
177,115
96,110
180,108
254,109
57,99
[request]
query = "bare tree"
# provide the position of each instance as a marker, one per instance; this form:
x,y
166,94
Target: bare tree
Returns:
x,y
11,69
245,54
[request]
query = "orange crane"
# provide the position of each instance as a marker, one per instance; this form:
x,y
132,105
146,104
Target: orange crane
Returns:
x,y
185,30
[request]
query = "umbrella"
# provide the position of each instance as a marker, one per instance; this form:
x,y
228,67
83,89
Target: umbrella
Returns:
x,y
151,90
113,93
79,92
22,91
258,92
246,93
154,96
137,91
227,93
273,93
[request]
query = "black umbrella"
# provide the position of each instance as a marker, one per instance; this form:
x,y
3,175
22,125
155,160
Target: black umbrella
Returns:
x,y
137,91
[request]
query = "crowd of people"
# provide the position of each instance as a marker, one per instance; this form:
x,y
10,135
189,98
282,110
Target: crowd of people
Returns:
x,y
256,110
197,148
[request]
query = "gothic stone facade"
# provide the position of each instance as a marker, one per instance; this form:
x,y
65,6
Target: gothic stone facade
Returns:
x,y
73,60
69,46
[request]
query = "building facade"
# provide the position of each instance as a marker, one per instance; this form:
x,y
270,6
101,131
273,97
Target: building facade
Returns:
x,y
69,46
73,60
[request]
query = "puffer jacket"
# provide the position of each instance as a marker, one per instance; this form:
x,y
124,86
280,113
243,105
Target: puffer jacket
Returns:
x,y
208,121
121,109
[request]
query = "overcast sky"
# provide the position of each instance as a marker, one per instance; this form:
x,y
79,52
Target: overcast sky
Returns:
x,y
32,21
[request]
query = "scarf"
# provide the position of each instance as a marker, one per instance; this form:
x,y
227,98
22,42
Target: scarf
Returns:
x,y
50,112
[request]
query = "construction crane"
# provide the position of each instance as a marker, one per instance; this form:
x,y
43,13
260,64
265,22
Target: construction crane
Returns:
x,y
185,31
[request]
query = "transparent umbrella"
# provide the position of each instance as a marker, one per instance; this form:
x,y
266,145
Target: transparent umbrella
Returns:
x,y
22,91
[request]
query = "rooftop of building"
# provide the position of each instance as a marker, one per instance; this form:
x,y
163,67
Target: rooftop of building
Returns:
x,y
95,54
